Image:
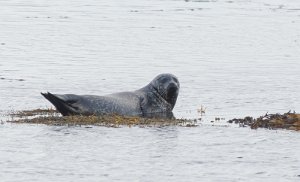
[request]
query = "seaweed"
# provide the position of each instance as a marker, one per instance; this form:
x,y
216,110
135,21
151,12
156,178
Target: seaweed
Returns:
x,y
290,121
52,117
35,112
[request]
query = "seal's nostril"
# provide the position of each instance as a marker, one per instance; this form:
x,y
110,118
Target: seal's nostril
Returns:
x,y
172,85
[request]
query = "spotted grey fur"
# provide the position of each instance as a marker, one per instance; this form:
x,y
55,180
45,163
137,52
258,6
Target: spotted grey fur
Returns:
x,y
157,99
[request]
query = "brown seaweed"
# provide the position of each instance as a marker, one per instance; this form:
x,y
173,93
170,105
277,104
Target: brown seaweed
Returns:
x,y
52,117
290,121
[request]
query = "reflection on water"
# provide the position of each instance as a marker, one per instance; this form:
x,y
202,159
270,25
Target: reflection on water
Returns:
x,y
234,58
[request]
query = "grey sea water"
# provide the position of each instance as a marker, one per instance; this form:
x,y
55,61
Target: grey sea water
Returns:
x,y
234,58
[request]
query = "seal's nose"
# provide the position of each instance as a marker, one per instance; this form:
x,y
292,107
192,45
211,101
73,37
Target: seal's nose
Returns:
x,y
172,85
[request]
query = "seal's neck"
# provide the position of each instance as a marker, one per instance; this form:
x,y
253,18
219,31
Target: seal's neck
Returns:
x,y
154,91
149,88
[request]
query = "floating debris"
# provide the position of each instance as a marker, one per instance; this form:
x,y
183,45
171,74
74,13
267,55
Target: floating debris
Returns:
x,y
9,79
52,117
201,110
290,121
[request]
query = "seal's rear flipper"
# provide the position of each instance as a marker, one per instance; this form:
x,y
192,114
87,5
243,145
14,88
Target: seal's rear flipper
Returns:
x,y
63,106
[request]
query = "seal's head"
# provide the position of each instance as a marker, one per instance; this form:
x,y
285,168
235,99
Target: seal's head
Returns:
x,y
167,86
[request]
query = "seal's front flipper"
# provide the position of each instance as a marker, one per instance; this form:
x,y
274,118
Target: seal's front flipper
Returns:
x,y
65,107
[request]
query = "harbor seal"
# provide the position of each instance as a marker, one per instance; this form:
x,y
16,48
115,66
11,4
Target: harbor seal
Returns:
x,y
157,99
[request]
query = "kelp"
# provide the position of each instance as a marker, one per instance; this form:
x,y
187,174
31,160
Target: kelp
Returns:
x,y
52,117
290,121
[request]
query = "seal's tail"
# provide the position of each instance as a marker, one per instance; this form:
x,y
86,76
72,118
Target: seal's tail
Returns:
x,y
64,107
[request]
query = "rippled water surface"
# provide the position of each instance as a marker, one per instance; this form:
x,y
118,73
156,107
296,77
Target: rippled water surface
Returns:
x,y
235,58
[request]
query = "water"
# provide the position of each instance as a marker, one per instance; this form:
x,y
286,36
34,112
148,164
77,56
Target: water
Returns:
x,y
235,58
43,153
